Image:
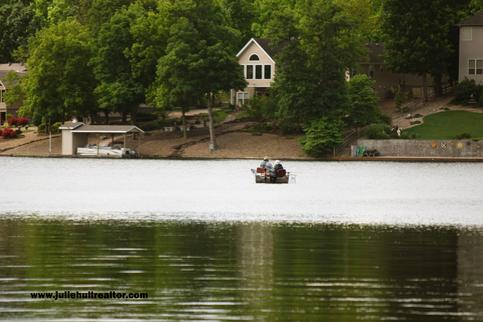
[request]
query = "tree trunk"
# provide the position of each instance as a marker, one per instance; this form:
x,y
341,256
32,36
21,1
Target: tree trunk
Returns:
x,y
134,116
183,124
211,126
438,85
425,88
106,116
124,116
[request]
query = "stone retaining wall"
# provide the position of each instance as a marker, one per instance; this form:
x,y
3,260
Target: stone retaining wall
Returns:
x,y
423,148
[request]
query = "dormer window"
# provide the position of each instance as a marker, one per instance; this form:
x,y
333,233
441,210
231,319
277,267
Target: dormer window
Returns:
x,y
254,57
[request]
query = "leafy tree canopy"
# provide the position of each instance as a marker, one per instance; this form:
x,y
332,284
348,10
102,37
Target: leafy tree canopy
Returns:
x,y
16,25
363,101
60,83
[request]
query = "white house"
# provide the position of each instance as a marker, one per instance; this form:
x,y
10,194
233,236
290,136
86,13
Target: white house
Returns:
x,y
258,63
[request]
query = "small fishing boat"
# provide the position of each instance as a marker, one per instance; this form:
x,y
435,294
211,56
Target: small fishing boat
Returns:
x,y
262,176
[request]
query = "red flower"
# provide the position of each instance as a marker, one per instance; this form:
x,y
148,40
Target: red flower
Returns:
x,y
9,133
22,121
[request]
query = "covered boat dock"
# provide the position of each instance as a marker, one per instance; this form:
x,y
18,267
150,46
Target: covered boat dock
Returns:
x,y
76,135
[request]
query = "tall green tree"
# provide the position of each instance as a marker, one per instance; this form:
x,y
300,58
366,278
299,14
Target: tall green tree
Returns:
x,y
198,61
418,37
117,89
60,82
314,54
149,34
176,83
14,95
240,16
98,12
363,101
17,24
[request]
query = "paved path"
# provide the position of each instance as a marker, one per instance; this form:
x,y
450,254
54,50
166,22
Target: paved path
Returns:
x,y
28,137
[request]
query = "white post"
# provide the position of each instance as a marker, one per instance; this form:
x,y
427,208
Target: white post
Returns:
x,y
50,141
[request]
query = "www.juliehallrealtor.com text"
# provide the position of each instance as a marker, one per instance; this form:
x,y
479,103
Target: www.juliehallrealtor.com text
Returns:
x,y
90,295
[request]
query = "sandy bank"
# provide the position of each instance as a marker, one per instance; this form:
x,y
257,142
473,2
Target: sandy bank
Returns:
x,y
233,141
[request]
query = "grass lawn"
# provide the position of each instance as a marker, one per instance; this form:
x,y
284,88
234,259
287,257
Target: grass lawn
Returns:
x,y
448,125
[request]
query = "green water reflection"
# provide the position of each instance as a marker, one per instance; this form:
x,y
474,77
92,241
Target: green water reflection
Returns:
x,y
261,272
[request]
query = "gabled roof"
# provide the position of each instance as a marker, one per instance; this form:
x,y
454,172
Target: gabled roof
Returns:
x,y
264,44
475,20
70,125
79,127
122,129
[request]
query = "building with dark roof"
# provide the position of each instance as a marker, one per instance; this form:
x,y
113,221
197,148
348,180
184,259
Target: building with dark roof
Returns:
x,y
76,134
257,59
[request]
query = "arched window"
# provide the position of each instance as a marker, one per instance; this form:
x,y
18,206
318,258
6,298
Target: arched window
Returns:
x,y
254,57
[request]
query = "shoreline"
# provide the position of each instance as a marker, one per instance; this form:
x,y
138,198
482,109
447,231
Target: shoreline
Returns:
x,y
331,159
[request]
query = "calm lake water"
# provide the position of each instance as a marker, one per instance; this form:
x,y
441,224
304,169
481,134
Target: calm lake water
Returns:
x,y
346,242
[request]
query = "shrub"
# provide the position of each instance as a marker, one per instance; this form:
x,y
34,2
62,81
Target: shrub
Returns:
x,y
386,119
145,117
41,128
22,121
363,101
463,136
378,131
1,132
261,108
9,133
55,127
12,121
407,136
37,119
290,127
465,90
219,116
322,136
150,126
18,121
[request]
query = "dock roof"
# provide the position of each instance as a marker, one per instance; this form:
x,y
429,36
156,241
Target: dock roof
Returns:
x,y
80,127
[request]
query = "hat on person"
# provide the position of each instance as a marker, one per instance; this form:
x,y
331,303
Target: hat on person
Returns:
x,y
277,162
265,158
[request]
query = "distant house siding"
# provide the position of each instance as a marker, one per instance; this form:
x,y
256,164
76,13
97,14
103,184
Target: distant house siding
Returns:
x,y
387,81
265,60
259,73
471,54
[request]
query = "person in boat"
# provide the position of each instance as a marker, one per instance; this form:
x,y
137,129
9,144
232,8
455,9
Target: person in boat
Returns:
x,y
277,166
266,164
273,172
